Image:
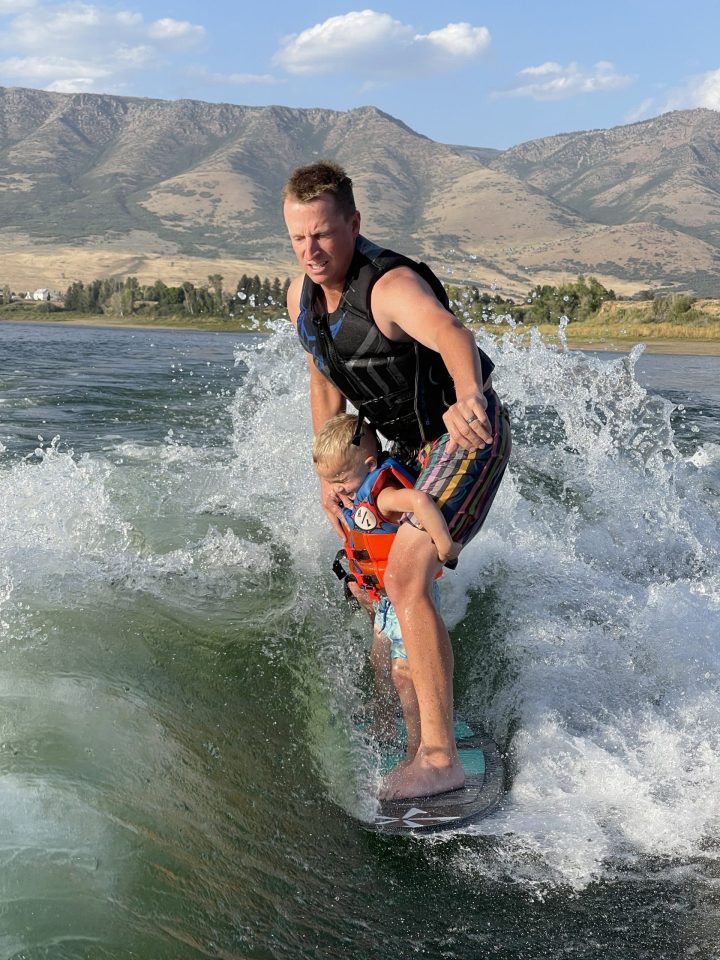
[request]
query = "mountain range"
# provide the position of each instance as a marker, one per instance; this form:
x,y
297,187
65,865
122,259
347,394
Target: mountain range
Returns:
x,y
95,185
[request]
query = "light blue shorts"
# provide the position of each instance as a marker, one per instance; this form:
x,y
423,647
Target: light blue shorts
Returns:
x,y
387,623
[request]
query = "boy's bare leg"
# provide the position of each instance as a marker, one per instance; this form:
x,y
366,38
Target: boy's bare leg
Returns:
x,y
384,713
402,681
385,700
436,767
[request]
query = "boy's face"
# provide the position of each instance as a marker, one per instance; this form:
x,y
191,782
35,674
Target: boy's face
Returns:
x,y
346,477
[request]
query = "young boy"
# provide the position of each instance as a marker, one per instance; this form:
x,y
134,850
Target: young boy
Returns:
x,y
377,492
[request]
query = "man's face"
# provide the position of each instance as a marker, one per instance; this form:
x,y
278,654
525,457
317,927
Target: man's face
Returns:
x,y
322,238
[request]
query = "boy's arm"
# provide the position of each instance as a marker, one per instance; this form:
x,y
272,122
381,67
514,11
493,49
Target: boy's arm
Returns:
x,y
421,504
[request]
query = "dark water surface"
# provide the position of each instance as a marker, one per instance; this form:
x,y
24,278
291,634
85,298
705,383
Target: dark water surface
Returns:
x,y
178,772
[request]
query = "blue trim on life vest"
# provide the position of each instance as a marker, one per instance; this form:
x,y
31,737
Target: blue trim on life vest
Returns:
x,y
370,488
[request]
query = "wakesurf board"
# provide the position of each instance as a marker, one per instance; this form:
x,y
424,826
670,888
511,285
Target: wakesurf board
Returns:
x,y
479,797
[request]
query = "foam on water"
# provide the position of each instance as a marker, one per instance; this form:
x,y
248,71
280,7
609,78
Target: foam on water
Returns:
x,y
273,473
121,571
53,502
602,551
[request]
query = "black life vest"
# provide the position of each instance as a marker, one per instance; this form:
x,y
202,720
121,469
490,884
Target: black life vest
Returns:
x,y
401,388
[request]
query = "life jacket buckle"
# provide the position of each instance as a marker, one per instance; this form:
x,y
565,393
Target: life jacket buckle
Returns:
x,y
337,567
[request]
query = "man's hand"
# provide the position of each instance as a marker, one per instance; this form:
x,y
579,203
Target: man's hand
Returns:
x,y
467,423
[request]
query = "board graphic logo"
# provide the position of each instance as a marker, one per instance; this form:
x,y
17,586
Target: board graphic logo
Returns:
x,y
365,519
413,818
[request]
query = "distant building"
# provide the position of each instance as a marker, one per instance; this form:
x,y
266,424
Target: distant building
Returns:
x,y
41,294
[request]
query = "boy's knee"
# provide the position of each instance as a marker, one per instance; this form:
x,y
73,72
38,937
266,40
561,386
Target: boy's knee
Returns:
x,y
401,676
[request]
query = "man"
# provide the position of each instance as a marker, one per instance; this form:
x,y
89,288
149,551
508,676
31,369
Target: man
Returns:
x,y
379,333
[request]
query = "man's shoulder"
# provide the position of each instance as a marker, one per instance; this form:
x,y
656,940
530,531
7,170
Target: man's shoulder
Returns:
x,y
400,277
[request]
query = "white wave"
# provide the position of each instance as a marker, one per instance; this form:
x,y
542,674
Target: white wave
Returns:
x,y
601,553
273,474
217,568
594,591
56,517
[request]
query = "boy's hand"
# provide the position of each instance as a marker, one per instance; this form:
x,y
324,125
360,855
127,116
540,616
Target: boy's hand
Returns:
x,y
450,553
332,505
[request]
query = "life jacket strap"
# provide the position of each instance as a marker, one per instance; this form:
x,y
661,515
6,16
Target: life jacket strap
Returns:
x,y
342,574
357,435
337,567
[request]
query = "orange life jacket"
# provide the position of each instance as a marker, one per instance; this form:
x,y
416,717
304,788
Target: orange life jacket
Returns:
x,y
368,534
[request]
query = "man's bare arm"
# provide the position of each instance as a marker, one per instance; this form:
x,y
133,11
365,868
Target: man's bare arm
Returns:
x,y
325,401
405,307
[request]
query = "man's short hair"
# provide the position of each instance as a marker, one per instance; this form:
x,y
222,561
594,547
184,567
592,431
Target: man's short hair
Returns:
x,y
333,443
312,181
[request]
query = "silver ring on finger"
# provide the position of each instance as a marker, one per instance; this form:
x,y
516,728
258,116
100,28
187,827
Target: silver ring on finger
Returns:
x,y
471,419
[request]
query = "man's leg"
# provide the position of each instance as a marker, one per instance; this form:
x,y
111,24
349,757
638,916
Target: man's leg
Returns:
x,y
463,485
435,768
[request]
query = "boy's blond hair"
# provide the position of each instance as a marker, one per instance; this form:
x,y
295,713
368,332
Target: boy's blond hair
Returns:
x,y
333,443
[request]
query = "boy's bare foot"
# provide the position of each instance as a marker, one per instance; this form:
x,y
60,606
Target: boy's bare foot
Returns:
x,y
420,778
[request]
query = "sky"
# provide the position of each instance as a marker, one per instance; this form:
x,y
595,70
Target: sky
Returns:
x,y
459,71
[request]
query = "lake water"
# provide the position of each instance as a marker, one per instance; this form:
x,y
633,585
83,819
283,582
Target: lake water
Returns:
x,y
179,777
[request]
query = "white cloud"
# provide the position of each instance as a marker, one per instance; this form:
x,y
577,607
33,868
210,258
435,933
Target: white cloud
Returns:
x,y
368,42
233,79
74,85
699,91
15,6
457,40
702,90
548,69
177,30
552,81
129,17
42,69
87,46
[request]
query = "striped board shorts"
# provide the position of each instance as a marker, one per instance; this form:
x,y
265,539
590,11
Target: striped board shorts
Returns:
x,y
464,483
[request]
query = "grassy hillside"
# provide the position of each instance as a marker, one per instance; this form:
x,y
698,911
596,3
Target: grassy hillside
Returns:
x,y
95,185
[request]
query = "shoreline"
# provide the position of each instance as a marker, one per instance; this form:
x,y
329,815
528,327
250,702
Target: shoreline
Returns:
x,y
678,346
108,323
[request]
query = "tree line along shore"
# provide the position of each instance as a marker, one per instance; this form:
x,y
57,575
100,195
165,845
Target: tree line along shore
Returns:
x,y
579,310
